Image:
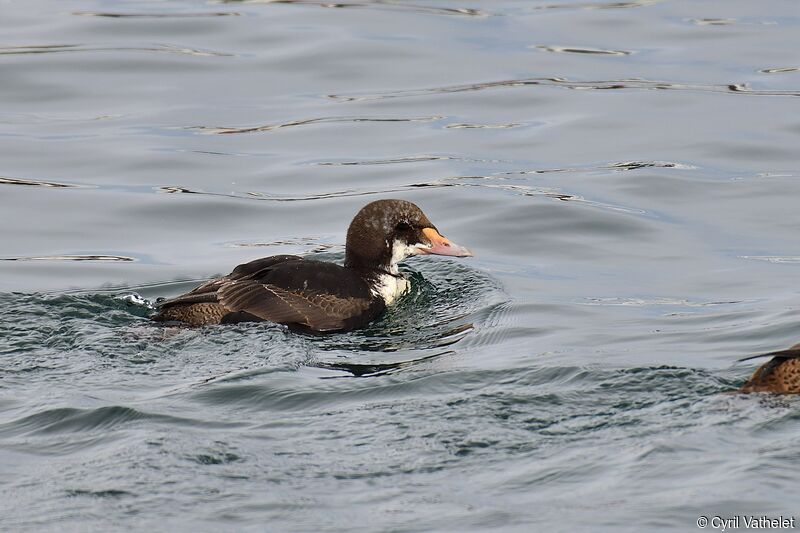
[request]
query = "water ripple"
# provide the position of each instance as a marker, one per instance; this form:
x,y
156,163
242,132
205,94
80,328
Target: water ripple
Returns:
x,y
71,420
784,259
155,15
38,118
406,159
497,181
364,370
110,493
599,5
622,84
647,302
522,190
779,70
5,180
380,4
635,165
464,126
224,130
62,48
620,166
265,196
713,22
313,244
555,194
111,258
582,50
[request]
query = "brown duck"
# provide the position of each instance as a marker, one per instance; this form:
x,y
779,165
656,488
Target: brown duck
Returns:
x,y
780,374
316,295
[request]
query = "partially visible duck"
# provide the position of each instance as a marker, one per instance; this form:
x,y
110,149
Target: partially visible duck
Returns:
x,y
317,295
780,374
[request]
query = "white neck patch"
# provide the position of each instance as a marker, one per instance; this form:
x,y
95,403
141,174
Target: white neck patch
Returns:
x,y
390,287
400,251
393,285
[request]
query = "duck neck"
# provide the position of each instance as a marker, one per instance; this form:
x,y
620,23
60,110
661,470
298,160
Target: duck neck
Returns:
x,y
386,263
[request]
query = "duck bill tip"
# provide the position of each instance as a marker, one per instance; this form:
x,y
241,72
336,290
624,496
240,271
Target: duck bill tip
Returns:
x,y
443,246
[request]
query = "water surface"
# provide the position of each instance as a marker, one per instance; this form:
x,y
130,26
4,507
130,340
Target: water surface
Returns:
x,y
625,172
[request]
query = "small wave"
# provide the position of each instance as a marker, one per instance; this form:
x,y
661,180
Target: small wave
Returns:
x,y
265,196
5,180
406,159
779,70
636,165
40,118
555,194
493,181
622,84
784,259
582,50
108,493
224,130
599,5
712,21
446,304
459,181
360,370
501,126
110,258
72,48
313,244
378,4
646,302
154,15
72,420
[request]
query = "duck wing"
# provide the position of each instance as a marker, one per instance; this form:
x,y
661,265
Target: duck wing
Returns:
x,y
318,311
207,292
789,353
315,295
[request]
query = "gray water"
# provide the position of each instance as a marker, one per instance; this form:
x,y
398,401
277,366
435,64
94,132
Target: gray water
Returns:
x,y
627,174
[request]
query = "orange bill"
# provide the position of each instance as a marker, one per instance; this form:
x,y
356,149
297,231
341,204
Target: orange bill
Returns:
x,y
441,246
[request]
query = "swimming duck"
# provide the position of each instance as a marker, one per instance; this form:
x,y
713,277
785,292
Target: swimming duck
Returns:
x,y
780,374
316,295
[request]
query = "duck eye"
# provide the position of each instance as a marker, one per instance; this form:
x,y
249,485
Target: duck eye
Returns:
x,y
403,226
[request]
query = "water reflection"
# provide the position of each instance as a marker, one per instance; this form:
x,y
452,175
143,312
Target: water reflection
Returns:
x,y
360,370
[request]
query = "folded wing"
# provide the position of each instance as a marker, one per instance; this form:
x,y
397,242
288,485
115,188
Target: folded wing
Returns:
x,y
319,312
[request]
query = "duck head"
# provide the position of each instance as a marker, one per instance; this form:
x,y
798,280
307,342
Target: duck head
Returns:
x,y
385,232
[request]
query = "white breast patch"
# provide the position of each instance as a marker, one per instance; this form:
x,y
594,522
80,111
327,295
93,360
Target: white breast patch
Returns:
x,y
390,287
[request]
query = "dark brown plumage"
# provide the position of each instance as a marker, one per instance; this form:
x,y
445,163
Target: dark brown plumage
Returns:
x,y
316,295
781,374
